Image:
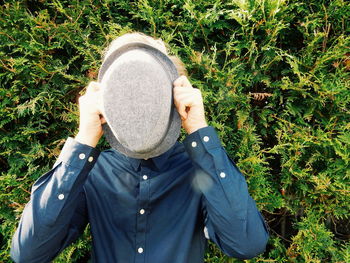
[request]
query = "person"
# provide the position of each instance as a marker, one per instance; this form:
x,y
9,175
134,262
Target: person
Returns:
x,y
161,209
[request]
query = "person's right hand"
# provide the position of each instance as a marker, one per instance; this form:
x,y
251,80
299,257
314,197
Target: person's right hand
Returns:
x,y
91,116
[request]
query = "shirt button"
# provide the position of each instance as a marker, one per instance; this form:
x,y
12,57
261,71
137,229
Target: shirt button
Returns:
x,y
91,159
61,196
140,250
206,138
81,156
142,211
194,144
144,177
222,175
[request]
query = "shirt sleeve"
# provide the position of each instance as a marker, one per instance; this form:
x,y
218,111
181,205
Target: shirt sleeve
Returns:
x,y
56,214
232,219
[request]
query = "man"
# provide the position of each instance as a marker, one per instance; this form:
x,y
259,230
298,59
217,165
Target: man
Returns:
x,y
158,209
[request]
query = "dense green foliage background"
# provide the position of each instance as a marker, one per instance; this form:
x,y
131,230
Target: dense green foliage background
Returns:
x,y
275,79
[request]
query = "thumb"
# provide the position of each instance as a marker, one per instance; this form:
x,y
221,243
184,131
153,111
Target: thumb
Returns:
x,y
182,111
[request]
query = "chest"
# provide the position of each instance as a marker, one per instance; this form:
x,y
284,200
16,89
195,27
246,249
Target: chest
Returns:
x,y
120,196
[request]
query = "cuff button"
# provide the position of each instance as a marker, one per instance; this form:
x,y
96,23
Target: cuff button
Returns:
x,y
91,159
206,138
194,144
81,156
61,196
222,175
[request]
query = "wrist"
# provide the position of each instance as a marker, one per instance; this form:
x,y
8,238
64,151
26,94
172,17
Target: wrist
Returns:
x,y
85,139
196,127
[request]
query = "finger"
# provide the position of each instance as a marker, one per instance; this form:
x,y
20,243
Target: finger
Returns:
x,y
183,105
100,105
180,90
186,98
182,81
188,102
181,108
94,96
92,87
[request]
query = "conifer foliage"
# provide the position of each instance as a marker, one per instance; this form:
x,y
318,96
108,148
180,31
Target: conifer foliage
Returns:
x,y
275,79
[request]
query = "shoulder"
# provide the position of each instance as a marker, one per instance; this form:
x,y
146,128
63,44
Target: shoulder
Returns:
x,y
179,155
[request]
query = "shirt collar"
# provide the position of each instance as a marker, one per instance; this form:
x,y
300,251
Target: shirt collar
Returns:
x,y
159,160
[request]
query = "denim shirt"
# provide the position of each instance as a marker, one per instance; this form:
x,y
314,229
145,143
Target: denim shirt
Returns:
x,y
142,211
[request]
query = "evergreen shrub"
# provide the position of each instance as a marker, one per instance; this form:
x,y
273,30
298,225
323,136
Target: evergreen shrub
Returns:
x,y
275,79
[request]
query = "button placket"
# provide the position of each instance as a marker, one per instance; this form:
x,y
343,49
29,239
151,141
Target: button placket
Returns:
x,y
143,201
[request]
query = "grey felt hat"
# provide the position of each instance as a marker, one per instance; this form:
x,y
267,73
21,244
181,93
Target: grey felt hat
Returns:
x,y
141,119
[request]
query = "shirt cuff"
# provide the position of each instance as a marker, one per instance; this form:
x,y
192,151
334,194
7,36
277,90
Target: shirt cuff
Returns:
x,y
201,141
77,154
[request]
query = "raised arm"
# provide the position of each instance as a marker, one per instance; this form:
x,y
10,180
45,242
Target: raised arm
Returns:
x,y
231,217
56,213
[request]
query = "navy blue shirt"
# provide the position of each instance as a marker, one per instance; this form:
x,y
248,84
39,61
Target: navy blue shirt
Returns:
x,y
142,211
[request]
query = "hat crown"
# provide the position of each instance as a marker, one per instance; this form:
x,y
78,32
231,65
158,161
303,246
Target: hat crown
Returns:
x,y
137,99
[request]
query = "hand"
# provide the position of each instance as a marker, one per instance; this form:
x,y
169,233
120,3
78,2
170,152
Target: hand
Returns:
x,y
91,118
189,104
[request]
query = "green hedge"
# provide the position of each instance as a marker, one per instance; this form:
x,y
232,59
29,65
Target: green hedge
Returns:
x,y
275,79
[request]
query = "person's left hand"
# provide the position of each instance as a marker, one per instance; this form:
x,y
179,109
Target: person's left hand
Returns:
x,y
189,104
